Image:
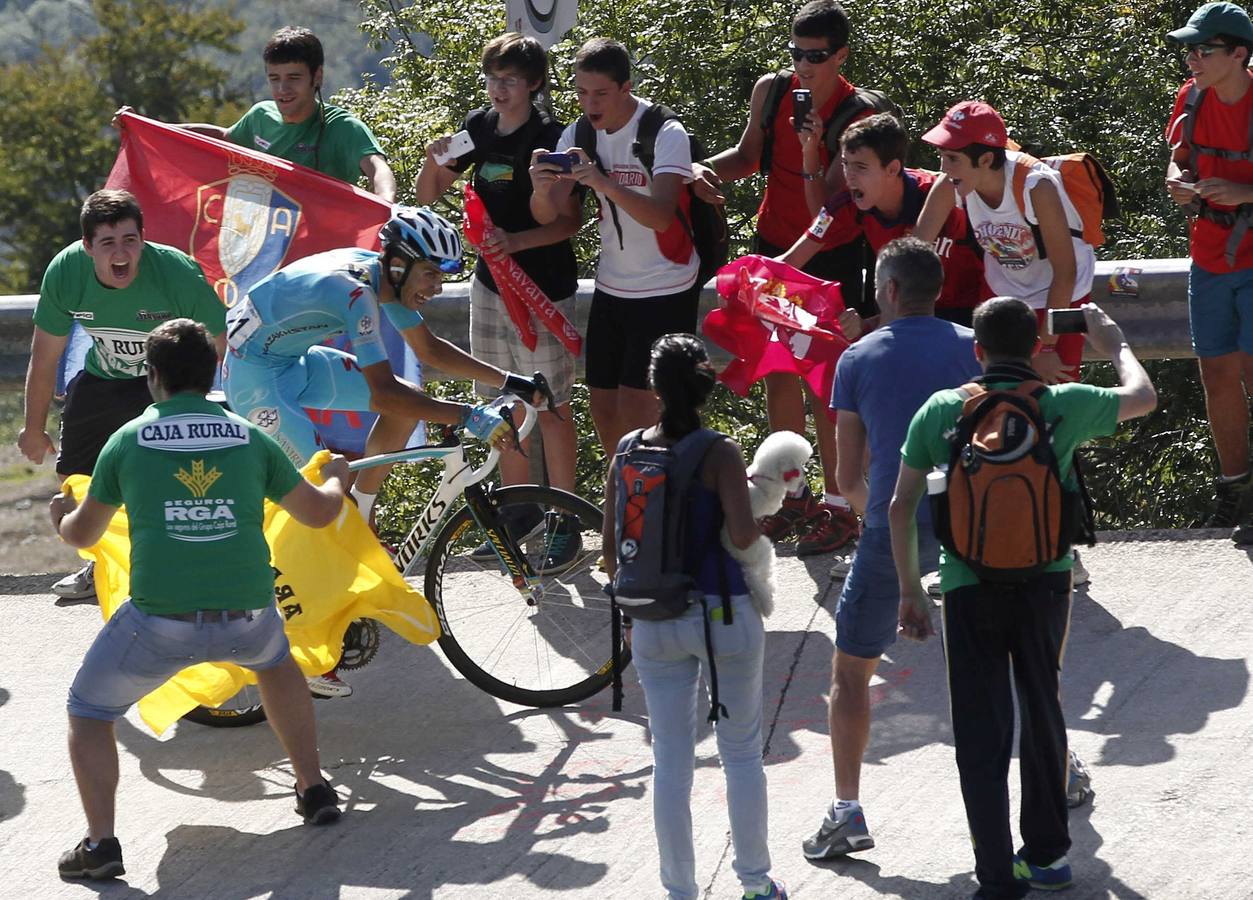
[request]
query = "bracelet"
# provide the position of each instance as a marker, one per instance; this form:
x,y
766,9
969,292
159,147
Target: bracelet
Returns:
x,y
805,176
1048,348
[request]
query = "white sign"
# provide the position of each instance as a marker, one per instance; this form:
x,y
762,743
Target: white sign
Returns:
x,y
545,20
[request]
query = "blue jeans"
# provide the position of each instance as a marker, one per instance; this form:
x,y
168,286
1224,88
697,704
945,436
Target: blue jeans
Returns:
x,y
669,657
135,653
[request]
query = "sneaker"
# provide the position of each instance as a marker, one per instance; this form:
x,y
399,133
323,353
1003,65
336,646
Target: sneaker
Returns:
x,y
1078,782
777,892
525,521
1228,497
832,529
105,861
1054,877
1078,573
319,805
793,518
931,584
329,686
563,544
841,567
78,586
838,838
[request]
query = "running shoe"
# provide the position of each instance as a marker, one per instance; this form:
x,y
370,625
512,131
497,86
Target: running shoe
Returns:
x,y
563,544
329,686
78,586
526,521
777,892
838,838
1078,782
319,805
831,529
793,518
102,861
1054,877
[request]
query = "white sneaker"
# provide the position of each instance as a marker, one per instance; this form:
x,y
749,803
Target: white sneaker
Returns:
x,y
1079,573
78,586
931,584
841,567
329,686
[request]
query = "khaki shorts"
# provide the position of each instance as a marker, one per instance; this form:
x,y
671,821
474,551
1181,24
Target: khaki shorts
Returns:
x,y
495,341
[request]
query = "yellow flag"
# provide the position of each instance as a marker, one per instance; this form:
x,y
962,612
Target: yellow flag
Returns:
x,y
324,578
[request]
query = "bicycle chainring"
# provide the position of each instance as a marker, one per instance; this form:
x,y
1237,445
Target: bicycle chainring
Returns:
x,y
361,642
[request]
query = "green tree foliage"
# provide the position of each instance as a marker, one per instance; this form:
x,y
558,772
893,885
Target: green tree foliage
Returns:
x,y
1068,75
56,146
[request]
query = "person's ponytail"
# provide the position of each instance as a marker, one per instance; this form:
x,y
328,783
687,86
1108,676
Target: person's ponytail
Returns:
x,y
682,376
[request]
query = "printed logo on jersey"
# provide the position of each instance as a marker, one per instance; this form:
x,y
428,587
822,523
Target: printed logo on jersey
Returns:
x,y
192,433
121,352
365,326
632,177
159,315
251,222
266,418
201,518
495,172
1010,244
261,142
84,316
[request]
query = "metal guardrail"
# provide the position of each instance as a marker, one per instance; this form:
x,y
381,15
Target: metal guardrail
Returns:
x,y
1147,297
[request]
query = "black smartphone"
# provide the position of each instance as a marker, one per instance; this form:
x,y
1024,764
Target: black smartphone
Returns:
x,y
802,103
564,161
1067,321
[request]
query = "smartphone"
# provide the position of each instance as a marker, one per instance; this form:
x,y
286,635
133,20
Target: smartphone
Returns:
x,y
1067,321
802,103
563,161
459,145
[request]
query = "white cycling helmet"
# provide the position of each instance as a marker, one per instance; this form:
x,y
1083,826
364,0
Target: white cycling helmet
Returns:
x,y
416,233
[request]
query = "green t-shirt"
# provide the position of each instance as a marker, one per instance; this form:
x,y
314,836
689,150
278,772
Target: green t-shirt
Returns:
x,y
344,141
1081,412
168,285
192,478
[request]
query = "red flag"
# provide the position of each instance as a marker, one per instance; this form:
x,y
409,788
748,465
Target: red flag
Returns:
x,y
775,318
521,295
240,213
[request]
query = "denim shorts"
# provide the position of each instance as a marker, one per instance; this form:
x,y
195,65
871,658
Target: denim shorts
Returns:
x,y
135,653
868,612
1220,311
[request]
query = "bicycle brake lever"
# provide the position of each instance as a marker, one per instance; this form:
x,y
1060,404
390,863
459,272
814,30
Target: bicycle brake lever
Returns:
x,y
506,413
550,402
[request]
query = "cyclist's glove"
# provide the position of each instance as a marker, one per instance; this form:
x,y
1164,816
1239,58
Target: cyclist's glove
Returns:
x,y
484,422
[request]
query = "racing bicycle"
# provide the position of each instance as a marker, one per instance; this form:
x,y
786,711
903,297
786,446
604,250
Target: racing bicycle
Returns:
x,y
519,618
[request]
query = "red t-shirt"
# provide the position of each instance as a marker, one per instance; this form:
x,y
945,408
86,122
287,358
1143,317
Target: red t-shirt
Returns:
x,y
1225,127
784,215
964,287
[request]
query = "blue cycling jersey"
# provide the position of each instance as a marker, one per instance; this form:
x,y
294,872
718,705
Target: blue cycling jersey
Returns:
x,y
313,299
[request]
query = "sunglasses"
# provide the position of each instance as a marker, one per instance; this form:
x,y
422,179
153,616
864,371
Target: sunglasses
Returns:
x,y
813,57
1204,51
509,82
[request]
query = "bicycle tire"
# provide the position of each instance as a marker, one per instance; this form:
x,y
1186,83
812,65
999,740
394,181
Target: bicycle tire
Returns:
x,y
485,620
240,711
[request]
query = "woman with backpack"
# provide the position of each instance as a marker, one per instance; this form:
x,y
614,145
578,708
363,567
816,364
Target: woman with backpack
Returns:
x,y
670,653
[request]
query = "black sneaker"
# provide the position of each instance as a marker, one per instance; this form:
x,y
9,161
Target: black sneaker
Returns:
x,y
319,805
564,542
525,521
1227,500
105,861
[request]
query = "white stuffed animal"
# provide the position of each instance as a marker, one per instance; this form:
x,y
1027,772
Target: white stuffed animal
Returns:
x,y
778,466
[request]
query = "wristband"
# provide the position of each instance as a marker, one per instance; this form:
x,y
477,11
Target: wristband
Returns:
x,y
401,316
1048,348
805,176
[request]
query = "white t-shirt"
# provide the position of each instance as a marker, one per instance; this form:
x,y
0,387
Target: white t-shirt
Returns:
x,y
643,264
1012,264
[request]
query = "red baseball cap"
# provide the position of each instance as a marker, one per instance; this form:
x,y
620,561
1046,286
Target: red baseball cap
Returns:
x,y
969,122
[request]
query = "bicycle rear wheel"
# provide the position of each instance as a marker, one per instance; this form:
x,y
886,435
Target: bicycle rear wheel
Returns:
x,y
552,649
239,711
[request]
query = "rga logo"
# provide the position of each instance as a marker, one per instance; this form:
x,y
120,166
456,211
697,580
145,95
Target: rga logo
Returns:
x,y
203,518
266,418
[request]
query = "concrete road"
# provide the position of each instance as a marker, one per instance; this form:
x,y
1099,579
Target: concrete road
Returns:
x,y
452,794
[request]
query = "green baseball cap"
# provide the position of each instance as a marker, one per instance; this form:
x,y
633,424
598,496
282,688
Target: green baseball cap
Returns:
x,y
1214,19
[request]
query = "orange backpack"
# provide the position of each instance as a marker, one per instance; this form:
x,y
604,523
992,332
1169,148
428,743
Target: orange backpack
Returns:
x,y
1005,512
1086,183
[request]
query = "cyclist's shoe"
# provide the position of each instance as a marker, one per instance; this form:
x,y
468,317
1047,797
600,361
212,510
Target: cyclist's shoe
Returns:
x,y
1078,782
792,519
563,543
1079,573
832,529
329,686
838,837
526,521
1055,876
78,586
319,805
102,861
777,892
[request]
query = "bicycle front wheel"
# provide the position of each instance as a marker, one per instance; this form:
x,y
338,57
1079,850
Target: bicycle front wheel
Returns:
x,y
550,648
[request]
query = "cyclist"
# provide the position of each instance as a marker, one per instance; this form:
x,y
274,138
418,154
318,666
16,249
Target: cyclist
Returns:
x,y
277,366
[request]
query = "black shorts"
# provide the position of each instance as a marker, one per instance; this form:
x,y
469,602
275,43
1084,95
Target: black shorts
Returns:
x,y
96,407
620,334
845,264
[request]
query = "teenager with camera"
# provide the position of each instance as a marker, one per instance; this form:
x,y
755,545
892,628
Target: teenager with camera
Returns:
x,y
787,139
